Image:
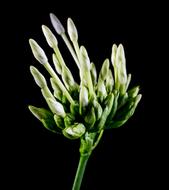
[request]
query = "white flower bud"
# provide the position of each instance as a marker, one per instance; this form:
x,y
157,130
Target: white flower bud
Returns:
x,y
56,107
50,38
38,52
85,61
38,77
72,31
57,24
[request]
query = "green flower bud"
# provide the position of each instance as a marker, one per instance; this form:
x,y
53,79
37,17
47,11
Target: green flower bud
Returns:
x,y
57,24
69,120
113,56
38,52
67,78
74,108
93,73
75,131
109,82
128,81
72,31
121,65
98,109
101,90
56,88
59,121
133,92
85,61
46,117
38,77
56,107
50,38
90,118
106,112
104,70
58,66
83,99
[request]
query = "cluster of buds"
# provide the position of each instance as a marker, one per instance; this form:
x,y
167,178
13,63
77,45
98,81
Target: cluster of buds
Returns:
x,y
101,100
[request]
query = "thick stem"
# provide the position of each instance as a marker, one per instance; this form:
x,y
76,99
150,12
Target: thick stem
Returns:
x,y
80,171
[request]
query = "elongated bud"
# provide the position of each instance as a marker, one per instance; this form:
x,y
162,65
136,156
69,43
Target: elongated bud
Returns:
x,y
57,24
40,113
85,61
128,81
137,100
72,31
50,38
113,56
121,65
109,82
93,73
58,66
67,78
83,99
90,118
38,77
98,109
75,131
38,52
101,90
133,92
104,70
56,107
57,90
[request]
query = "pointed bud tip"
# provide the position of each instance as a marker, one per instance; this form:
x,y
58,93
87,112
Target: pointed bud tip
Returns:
x,y
56,24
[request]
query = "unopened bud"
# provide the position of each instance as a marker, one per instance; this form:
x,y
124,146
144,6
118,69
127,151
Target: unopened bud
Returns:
x,y
38,77
83,98
113,56
93,73
104,70
72,31
67,78
57,24
50,38
133,92
75,131
38,52
85,61
56,107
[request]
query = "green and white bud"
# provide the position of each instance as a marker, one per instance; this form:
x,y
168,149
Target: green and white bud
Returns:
x,y
90,118
83,99
38,52
128,81
56,88
98,109
109,82
113,55
59,121
67,78
56,107
75,131
72,31
93,73
38,77
85,61
104,70
57,24
121,65
133,92
58,66
101,90
50,37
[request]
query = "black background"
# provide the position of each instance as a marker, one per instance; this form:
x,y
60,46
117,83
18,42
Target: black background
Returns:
x,y
35,158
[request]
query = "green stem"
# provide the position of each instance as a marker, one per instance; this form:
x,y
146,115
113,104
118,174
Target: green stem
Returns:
x,y
80,171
